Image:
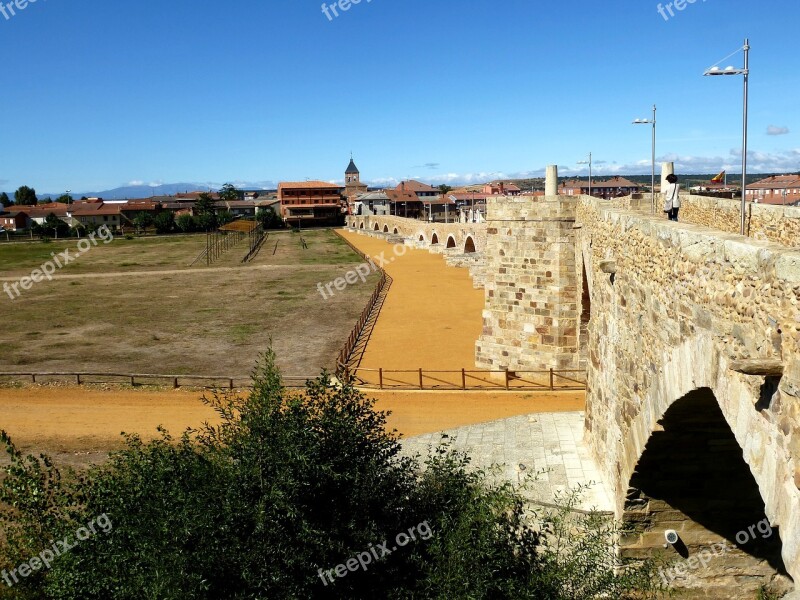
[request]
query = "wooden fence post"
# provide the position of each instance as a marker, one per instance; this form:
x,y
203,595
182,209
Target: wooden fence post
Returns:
x,y
463,379
380,377
506,372
78,378
420,380
175,382
552,381
231,382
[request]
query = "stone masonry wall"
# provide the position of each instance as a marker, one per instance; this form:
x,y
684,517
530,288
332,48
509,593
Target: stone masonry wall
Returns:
x,y
530,321
672,304
764,222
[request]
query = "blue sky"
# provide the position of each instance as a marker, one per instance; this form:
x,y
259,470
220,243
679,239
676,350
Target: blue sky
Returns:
x,y
101,94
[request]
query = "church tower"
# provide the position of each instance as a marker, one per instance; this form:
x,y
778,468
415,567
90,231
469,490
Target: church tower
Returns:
x,y
351,175
352,182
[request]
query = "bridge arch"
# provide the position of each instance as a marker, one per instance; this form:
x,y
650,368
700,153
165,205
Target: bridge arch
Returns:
x,y
469,245
421,237
434,238
701,415
377,227
385,229
396,231
451,242
362,225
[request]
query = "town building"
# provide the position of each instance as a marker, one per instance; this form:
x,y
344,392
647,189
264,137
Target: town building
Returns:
x,y
310,203
778,189
422,190
615,187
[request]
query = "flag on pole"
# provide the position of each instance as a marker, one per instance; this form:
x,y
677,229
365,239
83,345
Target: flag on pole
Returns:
x,y
719,178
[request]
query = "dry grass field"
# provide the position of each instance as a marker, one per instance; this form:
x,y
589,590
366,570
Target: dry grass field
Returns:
x,y
135,306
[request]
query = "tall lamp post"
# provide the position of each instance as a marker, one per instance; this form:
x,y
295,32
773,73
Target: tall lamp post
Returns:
x,y
714,71
588,162
653,180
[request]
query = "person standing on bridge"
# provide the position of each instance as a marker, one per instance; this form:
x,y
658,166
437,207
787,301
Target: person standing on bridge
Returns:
x,y
672,197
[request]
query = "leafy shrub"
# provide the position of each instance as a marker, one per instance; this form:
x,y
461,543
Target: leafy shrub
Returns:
x,y
287,486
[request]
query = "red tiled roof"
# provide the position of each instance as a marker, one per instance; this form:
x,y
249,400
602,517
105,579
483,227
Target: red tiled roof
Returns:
x,y
414,186
400,196
307,185
776,182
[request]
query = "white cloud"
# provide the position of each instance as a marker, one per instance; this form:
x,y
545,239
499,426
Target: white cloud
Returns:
x,y
775,130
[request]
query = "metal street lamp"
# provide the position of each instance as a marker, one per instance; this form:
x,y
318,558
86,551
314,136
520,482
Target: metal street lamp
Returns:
x,y
653,180
589,162
715,71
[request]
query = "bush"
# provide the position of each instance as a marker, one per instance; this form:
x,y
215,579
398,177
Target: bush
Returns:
x,y
287,486
164,222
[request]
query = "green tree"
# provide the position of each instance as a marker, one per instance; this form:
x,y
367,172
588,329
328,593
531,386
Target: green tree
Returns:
x,y
229,193
65,198
444,189
25,196
54,227
288,484
142,221
185,223
164,222
224,217
206,212
5,201
269,219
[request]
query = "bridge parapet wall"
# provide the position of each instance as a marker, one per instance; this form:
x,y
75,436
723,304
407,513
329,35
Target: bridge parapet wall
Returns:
x,y
780,224
462,244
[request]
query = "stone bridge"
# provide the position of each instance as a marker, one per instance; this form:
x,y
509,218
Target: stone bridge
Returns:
x,y
690,337
462,244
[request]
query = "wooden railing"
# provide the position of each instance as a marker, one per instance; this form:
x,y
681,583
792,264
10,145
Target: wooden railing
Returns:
x,y
468,379
343,361
141,379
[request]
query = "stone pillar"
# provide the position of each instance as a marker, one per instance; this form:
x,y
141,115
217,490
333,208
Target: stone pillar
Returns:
x,y
531,316
667,168
551,181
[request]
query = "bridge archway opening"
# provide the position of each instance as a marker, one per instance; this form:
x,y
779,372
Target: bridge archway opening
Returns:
x,y
469,245
396,231
434,239
451,242
377,227
586,315
692,478
385,229
362,226
421,238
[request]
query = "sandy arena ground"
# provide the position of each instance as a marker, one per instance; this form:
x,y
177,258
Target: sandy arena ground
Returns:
x,y
79,426
431,317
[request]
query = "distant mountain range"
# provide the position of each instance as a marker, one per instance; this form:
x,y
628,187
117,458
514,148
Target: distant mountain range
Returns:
x,y
146,191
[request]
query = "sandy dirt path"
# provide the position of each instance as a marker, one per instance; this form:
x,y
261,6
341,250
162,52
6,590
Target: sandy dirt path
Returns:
x,y
432,316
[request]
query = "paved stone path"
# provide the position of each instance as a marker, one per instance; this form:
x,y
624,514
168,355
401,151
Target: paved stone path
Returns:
x,y
527,444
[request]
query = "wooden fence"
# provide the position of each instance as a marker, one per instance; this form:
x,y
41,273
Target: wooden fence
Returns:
x,y
142,379
346,355
467,379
